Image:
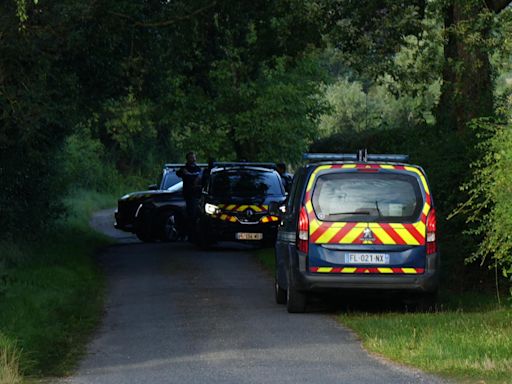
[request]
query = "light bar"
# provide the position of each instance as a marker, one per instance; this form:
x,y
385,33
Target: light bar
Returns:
x,y
361,156
390,158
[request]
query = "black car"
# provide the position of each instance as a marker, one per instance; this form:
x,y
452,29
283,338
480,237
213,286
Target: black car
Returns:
x,y
364,222
155,214
235,202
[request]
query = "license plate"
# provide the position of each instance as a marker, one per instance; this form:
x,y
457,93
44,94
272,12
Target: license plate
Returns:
x,y
366,258
248,236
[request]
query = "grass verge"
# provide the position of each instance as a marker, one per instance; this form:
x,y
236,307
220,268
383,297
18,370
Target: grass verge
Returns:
x,y
469,340
51,294
471,346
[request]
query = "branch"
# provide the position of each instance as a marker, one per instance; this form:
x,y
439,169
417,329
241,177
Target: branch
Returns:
x,y
164,23
497,5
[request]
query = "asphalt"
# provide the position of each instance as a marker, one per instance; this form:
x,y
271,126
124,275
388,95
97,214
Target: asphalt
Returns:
x,y
175,314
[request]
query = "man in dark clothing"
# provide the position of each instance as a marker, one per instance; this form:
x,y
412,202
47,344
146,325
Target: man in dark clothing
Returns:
x,y
191,175
285,176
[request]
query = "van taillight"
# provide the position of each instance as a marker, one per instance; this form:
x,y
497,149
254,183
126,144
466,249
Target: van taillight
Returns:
x,y
303,231
431,232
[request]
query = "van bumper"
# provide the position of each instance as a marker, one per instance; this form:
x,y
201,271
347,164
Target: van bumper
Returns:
x,y
428,281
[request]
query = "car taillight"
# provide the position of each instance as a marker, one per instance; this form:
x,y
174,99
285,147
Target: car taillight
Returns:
x,y
431,232
303,231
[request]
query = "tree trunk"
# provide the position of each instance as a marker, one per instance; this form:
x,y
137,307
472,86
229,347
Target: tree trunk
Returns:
x,y
467,89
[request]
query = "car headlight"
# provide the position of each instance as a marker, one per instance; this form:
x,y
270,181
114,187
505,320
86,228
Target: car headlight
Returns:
x,y
211,209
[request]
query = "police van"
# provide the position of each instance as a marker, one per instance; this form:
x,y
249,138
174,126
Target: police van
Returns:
x,y
357,221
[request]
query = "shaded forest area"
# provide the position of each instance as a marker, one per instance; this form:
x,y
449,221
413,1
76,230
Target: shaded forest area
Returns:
x,y
97,94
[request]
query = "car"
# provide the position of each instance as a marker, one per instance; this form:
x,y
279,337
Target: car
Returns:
x,y
235,201
159,212
357,222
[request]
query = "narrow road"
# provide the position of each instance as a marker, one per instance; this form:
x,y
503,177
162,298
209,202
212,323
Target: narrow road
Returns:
x,y
179,315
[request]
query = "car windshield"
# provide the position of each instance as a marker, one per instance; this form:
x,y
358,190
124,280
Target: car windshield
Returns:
x,y
377,197
245,183
170,179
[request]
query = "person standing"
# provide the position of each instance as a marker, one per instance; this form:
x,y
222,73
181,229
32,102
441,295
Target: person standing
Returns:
x,y
285,176
191,176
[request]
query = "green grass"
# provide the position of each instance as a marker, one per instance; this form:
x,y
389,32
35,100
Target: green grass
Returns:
x,y
51,294
469,339
473,347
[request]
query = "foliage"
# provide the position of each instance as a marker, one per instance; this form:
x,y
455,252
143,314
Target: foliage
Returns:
x,y
489,204
357,111
51,285
246,120
9,361
371,33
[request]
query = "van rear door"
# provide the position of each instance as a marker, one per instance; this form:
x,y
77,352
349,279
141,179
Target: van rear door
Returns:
x,y
367,218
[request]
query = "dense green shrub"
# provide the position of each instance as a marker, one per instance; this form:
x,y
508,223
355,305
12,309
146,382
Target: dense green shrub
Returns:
x,y
489,203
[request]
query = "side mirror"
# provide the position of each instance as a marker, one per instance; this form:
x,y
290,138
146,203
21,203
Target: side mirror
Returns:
x,y
276,208
152,187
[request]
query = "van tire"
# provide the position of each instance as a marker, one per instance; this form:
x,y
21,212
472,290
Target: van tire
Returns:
x,y
295,300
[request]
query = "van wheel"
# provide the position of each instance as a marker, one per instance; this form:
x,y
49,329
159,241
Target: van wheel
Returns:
x,y
279,293
295,300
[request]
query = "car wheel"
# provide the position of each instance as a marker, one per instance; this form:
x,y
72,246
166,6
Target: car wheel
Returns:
x,y
295,300
169,227
279,293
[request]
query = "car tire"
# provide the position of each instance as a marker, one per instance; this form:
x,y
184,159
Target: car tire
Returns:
x,y
279,293
295,300
169,227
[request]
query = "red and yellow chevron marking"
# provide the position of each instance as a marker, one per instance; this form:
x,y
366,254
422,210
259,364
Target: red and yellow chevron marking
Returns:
x,y
269,219
322,232
372,270
242,208
225,217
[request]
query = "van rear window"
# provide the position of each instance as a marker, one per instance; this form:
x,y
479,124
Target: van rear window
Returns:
x,y
375,197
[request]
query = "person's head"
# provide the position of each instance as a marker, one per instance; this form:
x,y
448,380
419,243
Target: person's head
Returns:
x,y
191,157
281,168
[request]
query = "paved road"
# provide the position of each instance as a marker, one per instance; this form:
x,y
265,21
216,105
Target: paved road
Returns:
x,y
178,315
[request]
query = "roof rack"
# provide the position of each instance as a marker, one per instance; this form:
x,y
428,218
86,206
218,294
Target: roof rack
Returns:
x,y
362,156
230,164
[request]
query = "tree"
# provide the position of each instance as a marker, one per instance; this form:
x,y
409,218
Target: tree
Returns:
x,y
467,89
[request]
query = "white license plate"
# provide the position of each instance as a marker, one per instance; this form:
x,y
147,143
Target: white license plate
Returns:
x,y
248,236
366,258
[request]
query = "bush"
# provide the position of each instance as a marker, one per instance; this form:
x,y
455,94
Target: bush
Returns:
x,y
489,203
